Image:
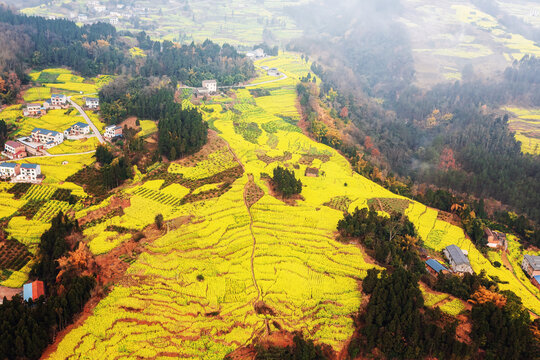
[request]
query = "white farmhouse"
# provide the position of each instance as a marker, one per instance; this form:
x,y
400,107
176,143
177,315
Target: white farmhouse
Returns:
x,y
92,103
210,85
77,129
30,172
457,259
9,170
48,137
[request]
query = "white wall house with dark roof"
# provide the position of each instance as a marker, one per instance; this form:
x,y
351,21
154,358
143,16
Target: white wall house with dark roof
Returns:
x,y
30,172
531,265
457,259
8,170
48,137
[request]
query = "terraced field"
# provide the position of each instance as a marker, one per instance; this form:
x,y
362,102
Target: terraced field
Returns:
x,y
238,22
525,123
239,268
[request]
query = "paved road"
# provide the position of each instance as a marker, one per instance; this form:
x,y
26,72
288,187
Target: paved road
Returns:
x,y
87,118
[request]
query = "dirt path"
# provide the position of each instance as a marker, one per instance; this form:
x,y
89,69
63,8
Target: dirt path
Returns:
x,y
250,222
254,243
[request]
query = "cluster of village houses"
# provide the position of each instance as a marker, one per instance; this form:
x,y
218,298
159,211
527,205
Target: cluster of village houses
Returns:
x,y
40,139
114,12
460,264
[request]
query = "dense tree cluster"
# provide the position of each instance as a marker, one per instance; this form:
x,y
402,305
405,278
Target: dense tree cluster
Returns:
x,y
103,155
487,159
90,50
28,327
115,173
52,246
463,287
191,64
301,349
396,324
504,333
180,131
3,133
285,182
393,239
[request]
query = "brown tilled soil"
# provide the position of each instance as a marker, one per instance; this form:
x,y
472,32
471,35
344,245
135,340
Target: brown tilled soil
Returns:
x,y
116,203
252,192
8,292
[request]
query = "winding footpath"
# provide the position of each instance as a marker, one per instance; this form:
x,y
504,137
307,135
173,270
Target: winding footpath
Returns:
x,y
87,119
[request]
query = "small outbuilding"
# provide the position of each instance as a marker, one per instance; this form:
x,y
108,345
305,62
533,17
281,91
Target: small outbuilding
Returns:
x,y
434,267
33,290
312,172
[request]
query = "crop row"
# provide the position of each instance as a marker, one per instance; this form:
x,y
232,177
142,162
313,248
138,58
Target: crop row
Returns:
x,y
39,192
165,199
50,209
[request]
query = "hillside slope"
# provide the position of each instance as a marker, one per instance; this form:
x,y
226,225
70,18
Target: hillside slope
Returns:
x,y
248,262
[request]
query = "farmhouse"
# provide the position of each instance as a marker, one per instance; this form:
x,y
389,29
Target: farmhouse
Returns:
x,y
531,265
259,53
34,110
92,103
457,259
312,172
82,17
48,137
434,267
208,87
77,129
58,99
33,290
112,131
9,170
495,239
30,172
114,20
14,150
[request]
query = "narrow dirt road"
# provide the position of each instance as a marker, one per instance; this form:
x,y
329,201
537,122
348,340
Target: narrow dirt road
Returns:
x,y
250,224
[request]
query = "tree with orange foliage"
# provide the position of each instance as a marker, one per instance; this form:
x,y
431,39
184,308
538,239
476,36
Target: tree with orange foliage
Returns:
x,y
447,160
483,295
81,262
344,112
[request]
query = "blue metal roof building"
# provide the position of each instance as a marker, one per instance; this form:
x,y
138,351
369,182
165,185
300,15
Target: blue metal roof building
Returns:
x,y
435,265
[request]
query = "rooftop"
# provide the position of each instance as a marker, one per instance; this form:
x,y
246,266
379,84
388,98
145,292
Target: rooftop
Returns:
x,y
33,105
29,166
53,96
435,265
457,255
533,260
45,131
8,165
92,99
80,124
13,143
